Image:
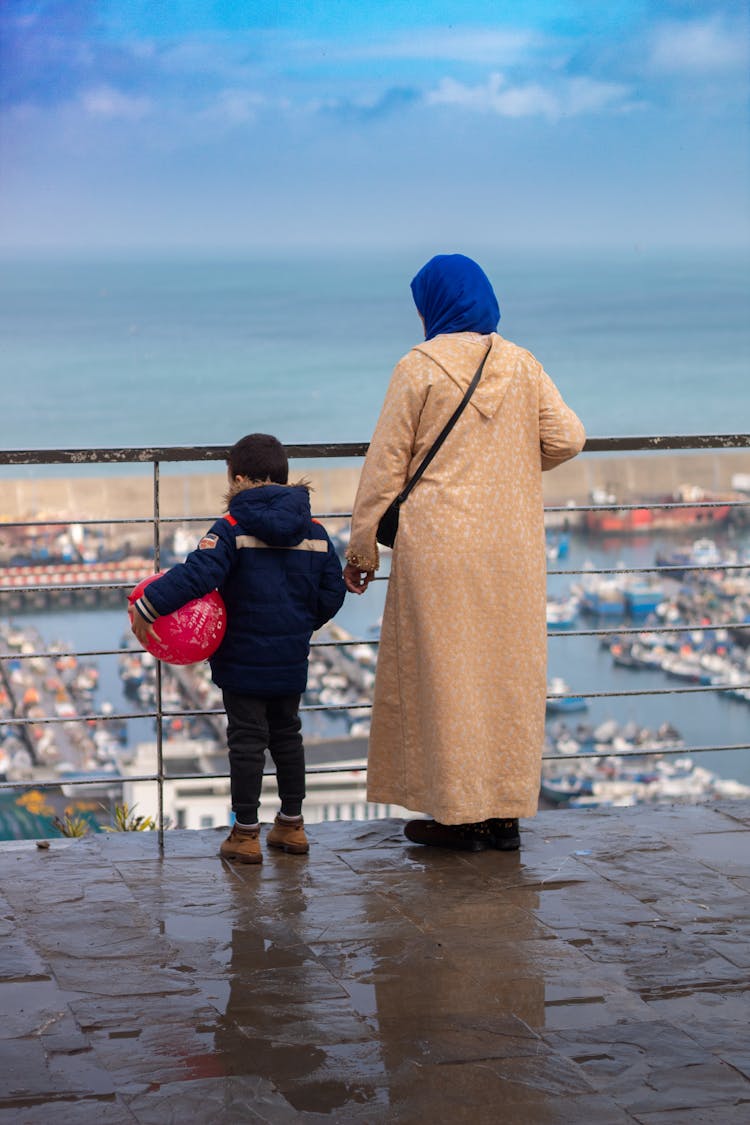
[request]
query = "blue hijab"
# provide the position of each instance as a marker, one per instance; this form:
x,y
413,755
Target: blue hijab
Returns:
x,y
453,294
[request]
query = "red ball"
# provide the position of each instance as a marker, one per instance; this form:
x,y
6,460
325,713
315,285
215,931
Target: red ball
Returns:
x,y
192,633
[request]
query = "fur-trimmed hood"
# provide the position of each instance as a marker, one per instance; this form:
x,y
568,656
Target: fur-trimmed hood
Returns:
x,y
277,514
245,485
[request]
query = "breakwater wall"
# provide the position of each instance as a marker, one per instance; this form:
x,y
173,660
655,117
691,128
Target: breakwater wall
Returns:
x,y
121,495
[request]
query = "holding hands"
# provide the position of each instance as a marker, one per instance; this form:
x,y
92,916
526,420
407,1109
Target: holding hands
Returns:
x,y
356,579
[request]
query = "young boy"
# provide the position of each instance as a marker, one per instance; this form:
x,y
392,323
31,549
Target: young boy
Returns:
x,y
280,579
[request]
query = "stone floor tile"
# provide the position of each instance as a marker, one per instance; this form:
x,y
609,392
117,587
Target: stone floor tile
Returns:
x,y
20,961
720,1114
686,1088
334,1022
657,957
473,1093
720,851
24,1074
624,1056
127,1015
30,1007
122,977
218,1100
156,1056
701,1005
315,1078
70,1111
728,1041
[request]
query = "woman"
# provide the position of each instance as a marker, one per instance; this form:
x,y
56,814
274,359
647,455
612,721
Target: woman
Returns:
x,y
458,715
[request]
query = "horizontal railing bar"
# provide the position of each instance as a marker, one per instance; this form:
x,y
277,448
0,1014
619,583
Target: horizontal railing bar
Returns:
x,y
637,630
66,588
125,520
105,779
72,587
314,450
656,443
656,568
651,691
56,653
25,721
681,750
146,455
648,505
115,520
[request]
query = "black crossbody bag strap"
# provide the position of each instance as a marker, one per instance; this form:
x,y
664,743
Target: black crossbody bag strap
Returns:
x,y
445,430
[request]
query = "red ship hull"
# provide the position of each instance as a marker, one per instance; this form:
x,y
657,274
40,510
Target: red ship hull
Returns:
x,y
620,521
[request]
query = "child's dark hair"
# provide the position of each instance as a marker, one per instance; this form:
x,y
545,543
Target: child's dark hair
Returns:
x,y
259,457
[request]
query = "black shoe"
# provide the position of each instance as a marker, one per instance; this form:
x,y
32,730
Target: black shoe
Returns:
x,y
461,837
504,834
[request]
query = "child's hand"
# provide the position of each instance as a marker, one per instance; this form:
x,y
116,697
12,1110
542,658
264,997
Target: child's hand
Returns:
x,y
356,579
140,627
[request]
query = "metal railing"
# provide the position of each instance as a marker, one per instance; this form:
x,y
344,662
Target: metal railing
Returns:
x,y
156,456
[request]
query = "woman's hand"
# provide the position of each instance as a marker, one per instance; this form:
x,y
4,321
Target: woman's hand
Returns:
x,y
356,579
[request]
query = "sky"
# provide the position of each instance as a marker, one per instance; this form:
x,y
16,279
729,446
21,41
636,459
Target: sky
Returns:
x,y
232,126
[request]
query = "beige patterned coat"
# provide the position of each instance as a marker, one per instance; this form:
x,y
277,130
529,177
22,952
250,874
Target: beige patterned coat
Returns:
x,y
458,716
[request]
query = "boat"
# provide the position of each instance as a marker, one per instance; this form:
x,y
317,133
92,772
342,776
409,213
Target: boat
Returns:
x,y
642,598
703,552
602,596
565,702
563,788
557,547
641,775
562,612
653,516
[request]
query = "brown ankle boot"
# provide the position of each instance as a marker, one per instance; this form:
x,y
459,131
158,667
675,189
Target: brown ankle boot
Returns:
x,y
289,835
242,845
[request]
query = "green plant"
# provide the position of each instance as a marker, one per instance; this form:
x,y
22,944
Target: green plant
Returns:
x,y
125,820
71,825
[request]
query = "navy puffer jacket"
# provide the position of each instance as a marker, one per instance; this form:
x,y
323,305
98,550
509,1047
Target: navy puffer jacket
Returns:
x,y
280,579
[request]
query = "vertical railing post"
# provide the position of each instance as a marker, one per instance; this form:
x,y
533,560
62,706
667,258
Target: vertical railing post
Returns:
x,y
159,716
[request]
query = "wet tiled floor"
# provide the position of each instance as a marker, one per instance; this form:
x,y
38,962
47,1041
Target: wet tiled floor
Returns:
x,y
600,976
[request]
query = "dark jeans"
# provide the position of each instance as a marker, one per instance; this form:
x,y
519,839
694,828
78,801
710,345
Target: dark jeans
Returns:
x,y
256,724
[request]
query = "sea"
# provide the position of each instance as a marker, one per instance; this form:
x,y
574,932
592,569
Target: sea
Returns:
x,y
183,350
188,351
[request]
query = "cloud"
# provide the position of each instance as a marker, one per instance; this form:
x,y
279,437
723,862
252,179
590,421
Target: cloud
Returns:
x,y
237,106
391,101
568,97
699,47
105,101
491,46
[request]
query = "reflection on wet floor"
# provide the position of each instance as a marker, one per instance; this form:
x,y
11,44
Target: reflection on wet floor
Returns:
x,y
601,975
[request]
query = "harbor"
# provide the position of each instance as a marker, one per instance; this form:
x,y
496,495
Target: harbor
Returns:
x,y
657,636
639,609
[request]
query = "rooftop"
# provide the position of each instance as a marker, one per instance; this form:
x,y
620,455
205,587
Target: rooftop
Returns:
x,y
600,975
